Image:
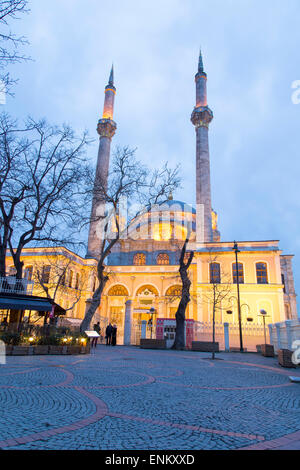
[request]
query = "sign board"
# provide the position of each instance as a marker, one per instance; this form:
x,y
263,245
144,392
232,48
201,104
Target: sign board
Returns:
x,y
92,334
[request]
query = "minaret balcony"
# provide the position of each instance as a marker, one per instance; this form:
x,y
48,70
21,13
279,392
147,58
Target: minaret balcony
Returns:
x,y
202,116
106,128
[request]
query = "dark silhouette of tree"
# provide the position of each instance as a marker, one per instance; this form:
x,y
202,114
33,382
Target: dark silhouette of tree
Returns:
x,y
185,261
10,43
43,185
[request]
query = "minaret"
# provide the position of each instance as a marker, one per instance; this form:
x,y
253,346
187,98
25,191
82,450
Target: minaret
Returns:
x,y
106,129
201,118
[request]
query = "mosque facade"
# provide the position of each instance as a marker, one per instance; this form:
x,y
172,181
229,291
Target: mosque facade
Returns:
x,y
144,266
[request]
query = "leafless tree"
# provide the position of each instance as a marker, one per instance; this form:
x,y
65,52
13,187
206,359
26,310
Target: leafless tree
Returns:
x,y
219,290
52,276
10,43
43,181
140,186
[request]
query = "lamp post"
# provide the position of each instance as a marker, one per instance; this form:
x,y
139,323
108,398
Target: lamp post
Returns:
x,y
236,250
152,312
264,314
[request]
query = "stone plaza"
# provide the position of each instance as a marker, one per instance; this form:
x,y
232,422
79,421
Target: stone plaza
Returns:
x,y
126,398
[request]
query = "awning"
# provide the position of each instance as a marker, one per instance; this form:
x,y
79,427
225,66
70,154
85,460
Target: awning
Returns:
x,y
20,302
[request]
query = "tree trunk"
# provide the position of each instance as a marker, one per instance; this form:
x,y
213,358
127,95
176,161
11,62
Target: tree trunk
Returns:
x,y
214,334
179,342
96,301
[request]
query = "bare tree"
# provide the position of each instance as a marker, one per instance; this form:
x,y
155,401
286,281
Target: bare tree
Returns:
x,y
132,180
43,183
57,277
219,291
185,261
10,43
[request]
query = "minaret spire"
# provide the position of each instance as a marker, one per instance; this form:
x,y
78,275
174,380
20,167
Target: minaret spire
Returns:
x,y
201,118
106,129
111,77
200,63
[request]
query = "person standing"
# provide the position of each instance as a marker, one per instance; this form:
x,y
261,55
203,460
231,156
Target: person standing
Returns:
x,y
108,333
98,330
114,335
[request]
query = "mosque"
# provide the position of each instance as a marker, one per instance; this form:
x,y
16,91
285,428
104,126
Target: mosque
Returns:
x,y
144,266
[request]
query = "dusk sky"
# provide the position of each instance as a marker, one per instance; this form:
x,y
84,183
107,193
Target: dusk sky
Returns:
x,y
251,55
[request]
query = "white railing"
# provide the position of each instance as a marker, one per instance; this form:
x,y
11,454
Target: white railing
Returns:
x,y
284,334
11,285
252,334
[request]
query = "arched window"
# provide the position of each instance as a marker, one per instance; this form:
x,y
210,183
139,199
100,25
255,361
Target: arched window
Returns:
x,y
118,290
283,282
77,281
163,259
238,272
147,290
174,291
261,273
215,273
63,277
71,278
139,259
46,274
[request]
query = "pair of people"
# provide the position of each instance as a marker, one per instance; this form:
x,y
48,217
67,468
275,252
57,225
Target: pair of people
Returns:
x,y
111,335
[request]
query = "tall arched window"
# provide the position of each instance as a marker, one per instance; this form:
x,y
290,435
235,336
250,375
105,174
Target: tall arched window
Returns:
x,y
77,281
46,274
215,273
118,290
261,273
71,278
238,272
139,259
174,291
163,259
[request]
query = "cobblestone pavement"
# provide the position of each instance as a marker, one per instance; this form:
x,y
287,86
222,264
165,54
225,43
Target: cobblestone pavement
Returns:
x,y
125,398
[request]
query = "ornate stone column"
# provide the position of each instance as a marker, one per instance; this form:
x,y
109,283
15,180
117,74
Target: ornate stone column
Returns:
x,y
127,323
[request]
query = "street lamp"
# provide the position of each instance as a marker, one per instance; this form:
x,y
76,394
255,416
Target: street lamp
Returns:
x,y
151,312
236,250
264,314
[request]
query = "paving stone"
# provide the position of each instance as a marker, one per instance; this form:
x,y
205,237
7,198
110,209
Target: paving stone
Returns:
x,y
127,398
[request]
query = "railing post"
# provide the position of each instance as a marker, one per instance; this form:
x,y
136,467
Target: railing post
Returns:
x,y
288,325
278,335
144,329
271,334
226,337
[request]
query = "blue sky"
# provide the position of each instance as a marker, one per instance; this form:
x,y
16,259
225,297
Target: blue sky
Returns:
x,y
251,55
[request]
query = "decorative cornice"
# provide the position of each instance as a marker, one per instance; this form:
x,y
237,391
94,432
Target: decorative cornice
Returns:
x,y
106,128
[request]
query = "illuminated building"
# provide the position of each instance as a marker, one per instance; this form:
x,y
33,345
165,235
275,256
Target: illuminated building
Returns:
x,y
144,266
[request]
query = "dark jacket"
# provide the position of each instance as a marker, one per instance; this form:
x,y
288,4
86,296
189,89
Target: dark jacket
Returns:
x,y
108,331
